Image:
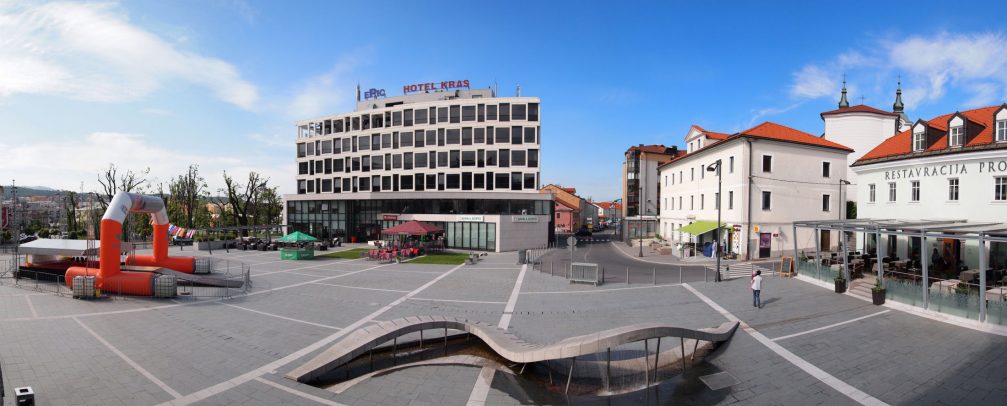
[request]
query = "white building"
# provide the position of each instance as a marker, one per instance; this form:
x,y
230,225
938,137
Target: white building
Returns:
x,y
772,175
952,167
464,160
863,127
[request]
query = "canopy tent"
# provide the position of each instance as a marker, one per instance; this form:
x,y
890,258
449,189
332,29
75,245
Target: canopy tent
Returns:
x,y
701,227
413,227
297,236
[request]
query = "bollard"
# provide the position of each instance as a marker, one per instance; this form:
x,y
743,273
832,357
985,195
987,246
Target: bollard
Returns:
x,y
679,274
627,275
706,273
654,275
552,266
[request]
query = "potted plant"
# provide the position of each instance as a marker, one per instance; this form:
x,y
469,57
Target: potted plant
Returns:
x,y
878,293
840,284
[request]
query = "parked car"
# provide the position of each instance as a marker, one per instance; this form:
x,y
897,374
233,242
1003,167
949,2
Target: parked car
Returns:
x,y
583,233
26,239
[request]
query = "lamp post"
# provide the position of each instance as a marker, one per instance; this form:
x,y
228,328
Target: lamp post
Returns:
x,y
842,203
716,168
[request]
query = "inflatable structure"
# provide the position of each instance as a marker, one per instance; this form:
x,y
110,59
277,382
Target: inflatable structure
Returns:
x,y
111,276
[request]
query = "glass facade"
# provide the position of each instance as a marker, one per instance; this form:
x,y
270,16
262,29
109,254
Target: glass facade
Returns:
x,y
361,219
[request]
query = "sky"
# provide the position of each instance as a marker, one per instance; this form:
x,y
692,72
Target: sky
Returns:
x,y
220,83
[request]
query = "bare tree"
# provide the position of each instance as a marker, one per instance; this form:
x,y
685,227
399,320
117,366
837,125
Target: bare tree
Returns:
x,y
188,191
242,199
113,181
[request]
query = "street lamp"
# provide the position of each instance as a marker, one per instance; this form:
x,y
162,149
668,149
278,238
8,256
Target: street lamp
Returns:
x,y
716,168
842,203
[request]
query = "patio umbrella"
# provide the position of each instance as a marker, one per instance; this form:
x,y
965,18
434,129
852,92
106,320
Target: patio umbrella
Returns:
x,y
297,236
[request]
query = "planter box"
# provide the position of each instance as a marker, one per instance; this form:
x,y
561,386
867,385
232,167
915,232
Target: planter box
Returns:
x,y
841,286
878,297
208,245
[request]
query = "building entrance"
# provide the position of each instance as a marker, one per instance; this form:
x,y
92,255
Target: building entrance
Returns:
x,y
765,244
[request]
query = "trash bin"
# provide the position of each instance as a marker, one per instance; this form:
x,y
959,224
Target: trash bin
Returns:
x,y
522,257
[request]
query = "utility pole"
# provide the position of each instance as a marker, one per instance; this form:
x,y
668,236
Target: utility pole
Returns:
x,y
716,167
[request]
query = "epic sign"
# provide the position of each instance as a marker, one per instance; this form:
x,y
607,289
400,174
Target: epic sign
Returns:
x,y
374,93
450,84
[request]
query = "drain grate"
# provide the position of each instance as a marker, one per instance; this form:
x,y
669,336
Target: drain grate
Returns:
x,y
719,380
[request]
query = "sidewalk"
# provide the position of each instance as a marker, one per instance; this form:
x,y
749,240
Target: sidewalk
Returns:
x,y
651,255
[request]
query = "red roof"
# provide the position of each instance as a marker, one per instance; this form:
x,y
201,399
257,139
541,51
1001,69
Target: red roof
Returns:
x,y
653,149
414,228
860,108
572,190
711,134
900,145
563,204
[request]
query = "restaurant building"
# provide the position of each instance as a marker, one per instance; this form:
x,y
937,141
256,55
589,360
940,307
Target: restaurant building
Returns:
x,y
771,174
462,159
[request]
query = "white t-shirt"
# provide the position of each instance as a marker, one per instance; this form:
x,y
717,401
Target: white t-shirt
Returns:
x,y
757,282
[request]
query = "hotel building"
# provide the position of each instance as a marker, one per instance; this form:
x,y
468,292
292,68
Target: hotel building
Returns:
x,y
771,176
464,159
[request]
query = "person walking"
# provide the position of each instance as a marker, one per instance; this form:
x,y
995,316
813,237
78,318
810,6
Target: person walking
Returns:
x,y
756,289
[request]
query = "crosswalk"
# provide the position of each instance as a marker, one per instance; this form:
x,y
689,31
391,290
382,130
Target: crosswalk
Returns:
x,y
741,270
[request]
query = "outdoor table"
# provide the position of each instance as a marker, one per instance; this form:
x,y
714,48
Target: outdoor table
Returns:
x,y
996,294
949,284
969,275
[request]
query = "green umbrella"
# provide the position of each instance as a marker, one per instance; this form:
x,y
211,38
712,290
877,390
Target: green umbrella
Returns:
x,y
297,236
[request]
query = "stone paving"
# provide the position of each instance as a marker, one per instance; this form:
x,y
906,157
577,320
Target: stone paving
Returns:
x,y
236,351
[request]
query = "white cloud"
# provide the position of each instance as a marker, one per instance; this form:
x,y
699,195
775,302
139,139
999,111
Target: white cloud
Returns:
x,y
930,66
274,140
330,92
67,163
90,51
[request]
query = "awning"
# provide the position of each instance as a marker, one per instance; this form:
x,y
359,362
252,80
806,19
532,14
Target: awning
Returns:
x,y
701,227
413,227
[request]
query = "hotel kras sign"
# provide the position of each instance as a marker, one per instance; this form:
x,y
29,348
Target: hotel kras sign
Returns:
x,y
948,169
374,94
432,86
524,219
470,218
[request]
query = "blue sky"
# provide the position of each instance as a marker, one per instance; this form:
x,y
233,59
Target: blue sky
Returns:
x,y
219,83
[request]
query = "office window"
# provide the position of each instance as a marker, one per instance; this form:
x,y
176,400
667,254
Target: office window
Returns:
x,y
491,158
826,169
515,135
406,182
767,200
504,112
433,118
375,142
533,158
418,141
355,163
479,181
518,157
680,202
468,158
454,181
440,137
466,180
529,181
529,135
407,119
407,160
953,189
891,191
440,181
442,114
919,141
337,165
533,112
1001,130
397,161
871,192
467,136
365,164
336,185
731,165
421,116
826,200
504,158
502,180
518,111
346,145
386,141
431,182
418,183
327,147
502,135
482,113
454,137
431,138
442,159
406,139
364,184
468,113
956,137
515,181
420,160
396,119
767,163
915,191
311,148
456,114
1000,188
491,112
480,136
730,200
455,158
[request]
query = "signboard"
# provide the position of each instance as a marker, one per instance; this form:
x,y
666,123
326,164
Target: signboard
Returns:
x,y
755,228
524,219
390,217
426,87
775,235
374,93
736,227
787,266
470,218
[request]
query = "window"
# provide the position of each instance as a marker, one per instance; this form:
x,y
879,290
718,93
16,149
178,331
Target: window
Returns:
x,y
518,157
1001,130
680,202
407,160
956,136
826,169
692,202
455,114
533,158
730,200
953,189
702,201
731,166
455,159
468,113
454,181
442,114
915,189
529,181
533,112
826,200
442,159
396,119
491,158
1000,188
466,180
407,119
406,139
504,158
502,135
891,191
515,135
919,141
454,137
767,163
421,116
767,200
504,111
692,174
467,136
431,138
480,181
702,171
482,113
491,112
468,158
397,161
529,135
871,189
480,137
518,111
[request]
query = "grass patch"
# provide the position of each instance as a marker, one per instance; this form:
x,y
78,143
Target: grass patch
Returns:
x,y
348,254
441,258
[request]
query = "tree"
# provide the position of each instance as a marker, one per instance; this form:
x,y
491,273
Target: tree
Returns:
x,y
242,199
188,193
113,181
70,211
269,207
